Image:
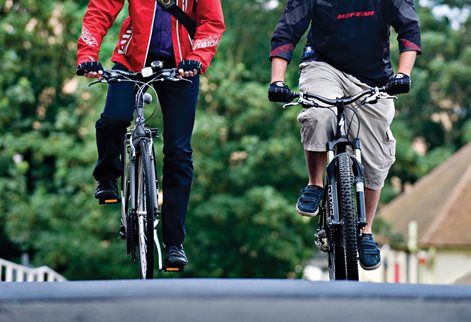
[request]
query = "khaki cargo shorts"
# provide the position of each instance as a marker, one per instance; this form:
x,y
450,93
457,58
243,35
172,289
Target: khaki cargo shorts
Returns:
x,y
372,124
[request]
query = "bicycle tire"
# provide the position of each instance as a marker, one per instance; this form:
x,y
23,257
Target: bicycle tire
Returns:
x,y
146,199
128,212
334,234
336,255
348,215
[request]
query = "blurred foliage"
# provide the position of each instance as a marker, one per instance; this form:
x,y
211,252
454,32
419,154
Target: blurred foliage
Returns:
x,y
248,158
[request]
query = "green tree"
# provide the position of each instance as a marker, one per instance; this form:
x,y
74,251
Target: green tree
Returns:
x,y
47,149
248,159
438,109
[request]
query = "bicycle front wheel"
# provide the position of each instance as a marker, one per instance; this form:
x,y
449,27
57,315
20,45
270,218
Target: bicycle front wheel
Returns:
x,y
147,208
336,254
348,215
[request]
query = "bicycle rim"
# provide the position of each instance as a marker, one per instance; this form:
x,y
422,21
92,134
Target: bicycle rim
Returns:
x,y
147,209
348,213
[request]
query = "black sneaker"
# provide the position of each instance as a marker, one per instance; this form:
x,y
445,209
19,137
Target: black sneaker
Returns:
x,y
107,189
308,202
174,256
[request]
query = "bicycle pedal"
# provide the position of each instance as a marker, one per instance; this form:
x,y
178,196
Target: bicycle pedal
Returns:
x,y
173,269
321,241
109,201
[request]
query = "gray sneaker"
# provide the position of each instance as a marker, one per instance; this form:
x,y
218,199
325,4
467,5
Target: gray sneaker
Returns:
x,y
308,202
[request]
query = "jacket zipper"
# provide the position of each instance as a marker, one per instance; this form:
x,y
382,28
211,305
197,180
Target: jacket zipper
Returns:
x,y
178,37
150,35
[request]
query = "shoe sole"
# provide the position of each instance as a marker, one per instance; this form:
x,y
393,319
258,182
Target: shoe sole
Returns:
x,y
370,268
179,265
174,269
307,214
107,194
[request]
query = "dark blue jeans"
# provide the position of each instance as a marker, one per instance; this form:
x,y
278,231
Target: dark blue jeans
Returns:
x,y
178,102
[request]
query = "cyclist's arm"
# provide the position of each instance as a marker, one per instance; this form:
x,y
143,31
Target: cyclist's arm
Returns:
x,y
209,29
290,28
404,19
406,62
99,17
278,69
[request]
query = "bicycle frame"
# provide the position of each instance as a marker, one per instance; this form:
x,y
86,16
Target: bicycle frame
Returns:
x,y
140,213
131,161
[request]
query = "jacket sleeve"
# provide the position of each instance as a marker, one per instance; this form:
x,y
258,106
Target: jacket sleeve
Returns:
x,y
99,17
290,28
405,22
209,29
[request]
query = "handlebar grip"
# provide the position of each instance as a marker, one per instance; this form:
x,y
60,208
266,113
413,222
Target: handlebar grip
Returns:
x,y
79,72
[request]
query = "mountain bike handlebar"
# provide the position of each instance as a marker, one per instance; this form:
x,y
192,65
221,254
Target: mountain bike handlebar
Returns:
x,y
370,95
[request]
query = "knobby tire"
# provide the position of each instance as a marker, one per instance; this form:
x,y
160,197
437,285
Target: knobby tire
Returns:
x,y
348,215
336,255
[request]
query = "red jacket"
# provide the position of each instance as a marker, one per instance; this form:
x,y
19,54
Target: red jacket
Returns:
x,y
133,45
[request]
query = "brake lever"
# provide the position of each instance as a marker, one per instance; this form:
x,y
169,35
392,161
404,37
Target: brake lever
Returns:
x,y
182,79
373,99
387,96
172,76
96,82
290,104
307,103
105,80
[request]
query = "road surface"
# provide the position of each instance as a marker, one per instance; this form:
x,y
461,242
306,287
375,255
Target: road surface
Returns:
x,y
232,300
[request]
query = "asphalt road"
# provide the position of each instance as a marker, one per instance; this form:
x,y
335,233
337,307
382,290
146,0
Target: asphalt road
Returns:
x,y
232,300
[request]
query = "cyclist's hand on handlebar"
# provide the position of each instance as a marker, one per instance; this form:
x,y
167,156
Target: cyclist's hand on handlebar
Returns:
x,y
91,69
398,84
280,92
189,68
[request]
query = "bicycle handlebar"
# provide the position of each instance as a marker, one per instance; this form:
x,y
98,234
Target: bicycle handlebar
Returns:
x,y
154,73
308,99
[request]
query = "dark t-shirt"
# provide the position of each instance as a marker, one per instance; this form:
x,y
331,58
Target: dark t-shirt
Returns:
x,y
161,39
351,35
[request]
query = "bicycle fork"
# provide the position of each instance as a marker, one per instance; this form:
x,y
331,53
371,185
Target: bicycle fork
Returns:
x,y
330,212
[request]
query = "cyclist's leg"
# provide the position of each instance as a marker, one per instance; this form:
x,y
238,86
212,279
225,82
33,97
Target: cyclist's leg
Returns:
x,y
111,127
378,151
318,127
378,154
178,101
378,142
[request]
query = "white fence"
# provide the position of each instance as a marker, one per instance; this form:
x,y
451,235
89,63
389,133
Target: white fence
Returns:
x,y
11,272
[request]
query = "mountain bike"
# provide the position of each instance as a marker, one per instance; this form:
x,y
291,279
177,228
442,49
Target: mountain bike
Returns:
x,y
140,212
342,210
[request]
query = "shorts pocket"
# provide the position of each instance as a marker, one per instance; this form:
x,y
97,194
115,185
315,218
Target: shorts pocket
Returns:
x,y
391,142
303,116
